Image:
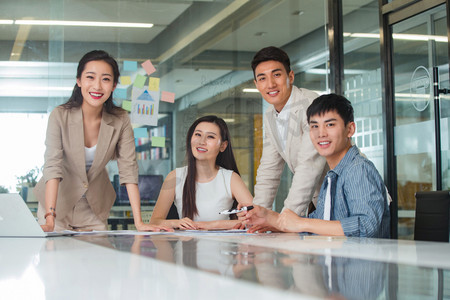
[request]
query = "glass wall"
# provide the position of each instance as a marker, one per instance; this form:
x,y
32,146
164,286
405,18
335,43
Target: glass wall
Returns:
x,y
362,76
201,51
420,43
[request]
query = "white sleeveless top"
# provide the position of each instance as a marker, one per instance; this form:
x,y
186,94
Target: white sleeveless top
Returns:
x,y
89,154
211,197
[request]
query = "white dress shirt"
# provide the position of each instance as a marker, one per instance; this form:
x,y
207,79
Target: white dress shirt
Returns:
x,y
282,120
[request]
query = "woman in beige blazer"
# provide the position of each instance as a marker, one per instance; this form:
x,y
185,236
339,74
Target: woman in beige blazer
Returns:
x,y
83,135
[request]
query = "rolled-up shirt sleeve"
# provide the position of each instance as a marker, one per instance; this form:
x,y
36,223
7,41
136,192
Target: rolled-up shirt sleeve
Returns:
x,y
53,167
126,153
366,199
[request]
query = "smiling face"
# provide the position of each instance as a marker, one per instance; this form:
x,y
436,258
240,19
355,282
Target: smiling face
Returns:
x,y
206,142
330,136
274,83
96,83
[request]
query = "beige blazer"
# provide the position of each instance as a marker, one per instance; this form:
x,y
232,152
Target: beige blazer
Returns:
x,y
65,159
308,167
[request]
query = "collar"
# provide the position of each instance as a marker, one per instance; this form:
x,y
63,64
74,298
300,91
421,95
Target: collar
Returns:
x,y
284,113
349,156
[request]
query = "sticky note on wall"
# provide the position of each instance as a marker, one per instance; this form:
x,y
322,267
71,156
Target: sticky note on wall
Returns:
x,y
140,81
153,84
140,133
158,141
120,93
125,80
167,96
148,67
126,105
129,65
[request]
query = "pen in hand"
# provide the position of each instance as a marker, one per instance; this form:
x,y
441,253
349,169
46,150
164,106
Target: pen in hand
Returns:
x,y
235,211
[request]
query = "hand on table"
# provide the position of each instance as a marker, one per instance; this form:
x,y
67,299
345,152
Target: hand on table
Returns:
x,y
187,224
260,219
148,227
239,225
289,221
261,229
256,216
48,228
203,225
49,225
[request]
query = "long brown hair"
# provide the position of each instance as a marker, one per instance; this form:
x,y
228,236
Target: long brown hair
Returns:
x,y
77,98
224,159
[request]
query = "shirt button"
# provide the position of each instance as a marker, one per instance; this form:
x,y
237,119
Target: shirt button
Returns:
x,y
85,184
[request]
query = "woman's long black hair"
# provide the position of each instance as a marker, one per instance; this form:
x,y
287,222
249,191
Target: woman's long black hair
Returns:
x,y
77,98
224,159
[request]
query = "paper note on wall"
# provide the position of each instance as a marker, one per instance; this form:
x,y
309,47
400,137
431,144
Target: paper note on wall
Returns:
x,y
145,105
140,81
126,105
120,93
158,141
148,67
129,65
167,97
153,84
140,133
125,80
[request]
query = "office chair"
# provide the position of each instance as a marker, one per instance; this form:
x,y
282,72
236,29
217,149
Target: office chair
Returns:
x,y
432,216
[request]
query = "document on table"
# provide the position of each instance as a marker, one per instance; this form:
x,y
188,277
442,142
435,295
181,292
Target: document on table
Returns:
x,y
212,232
178,232
116,232
135,232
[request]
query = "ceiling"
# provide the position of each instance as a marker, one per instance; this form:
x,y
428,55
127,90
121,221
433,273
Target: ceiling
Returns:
x,y
191,44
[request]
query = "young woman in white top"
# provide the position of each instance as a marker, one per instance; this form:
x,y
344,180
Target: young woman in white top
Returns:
x,y
209,184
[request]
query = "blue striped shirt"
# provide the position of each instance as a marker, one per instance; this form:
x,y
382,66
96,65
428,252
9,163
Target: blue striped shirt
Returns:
x,y
358,197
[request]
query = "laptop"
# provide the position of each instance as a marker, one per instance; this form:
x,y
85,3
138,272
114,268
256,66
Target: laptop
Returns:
x,y
16,220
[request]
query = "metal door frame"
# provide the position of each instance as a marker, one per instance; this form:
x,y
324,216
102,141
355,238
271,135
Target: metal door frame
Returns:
x,y
390,14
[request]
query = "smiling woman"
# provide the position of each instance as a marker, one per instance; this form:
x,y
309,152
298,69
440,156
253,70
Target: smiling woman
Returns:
x,y
97,84
209,184
83,135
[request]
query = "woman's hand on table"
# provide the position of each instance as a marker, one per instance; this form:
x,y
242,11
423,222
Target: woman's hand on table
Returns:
x,y
187,224
203,225
49,225
148,227
239,225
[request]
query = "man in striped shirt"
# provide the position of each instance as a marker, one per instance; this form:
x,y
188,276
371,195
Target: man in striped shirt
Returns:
x,y
353,198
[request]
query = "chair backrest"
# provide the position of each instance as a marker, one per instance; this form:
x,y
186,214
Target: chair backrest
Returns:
x,y
173,213
432,216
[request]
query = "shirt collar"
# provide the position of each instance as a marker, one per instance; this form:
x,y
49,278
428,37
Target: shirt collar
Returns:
x,y
284,113
348,157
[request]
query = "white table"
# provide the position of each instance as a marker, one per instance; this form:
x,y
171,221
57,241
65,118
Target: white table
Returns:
x,y
222,266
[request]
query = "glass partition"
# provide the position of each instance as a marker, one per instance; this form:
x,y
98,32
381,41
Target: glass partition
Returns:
x,y
201,51
362,77
420,43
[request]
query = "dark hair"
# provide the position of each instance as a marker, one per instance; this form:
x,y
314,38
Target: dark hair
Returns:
x,y
271,53
331,102
77,98
224,159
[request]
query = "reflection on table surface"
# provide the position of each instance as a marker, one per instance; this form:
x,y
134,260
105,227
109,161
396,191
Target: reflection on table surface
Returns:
x,y
210,266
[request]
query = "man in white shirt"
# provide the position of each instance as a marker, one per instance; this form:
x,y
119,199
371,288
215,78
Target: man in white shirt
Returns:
x,y
286,134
